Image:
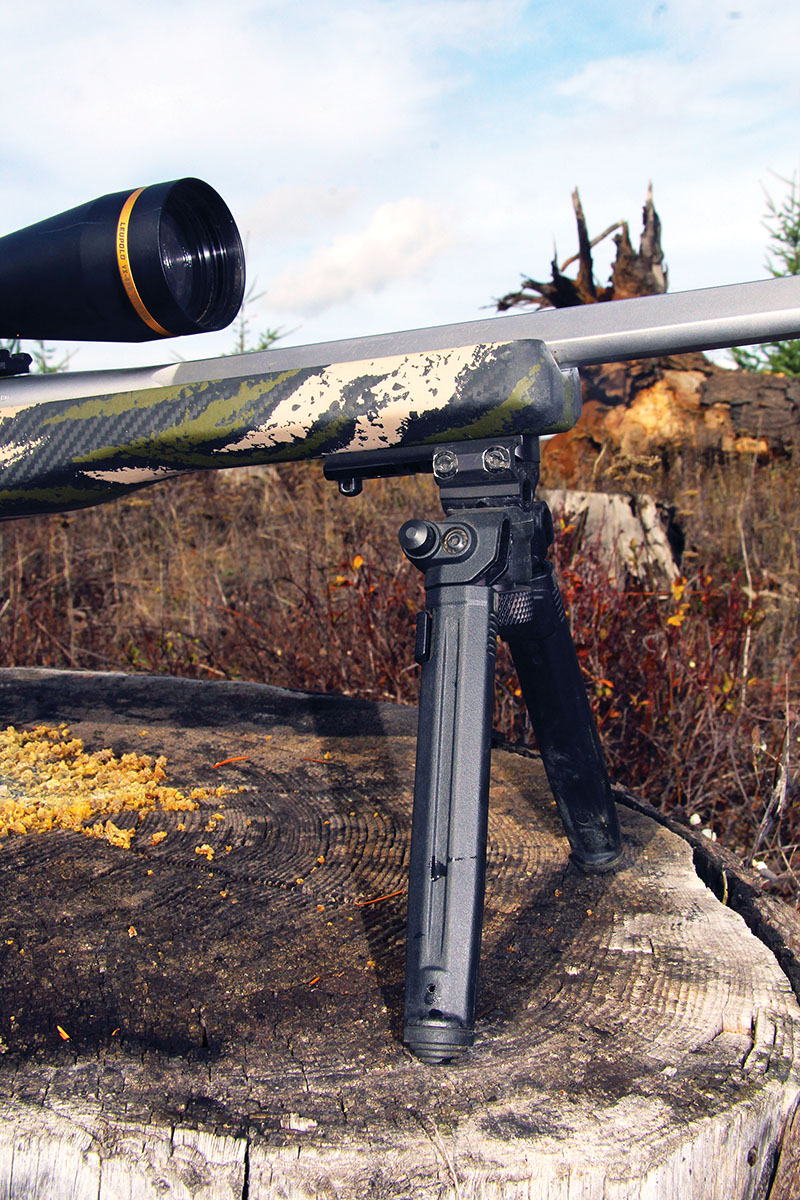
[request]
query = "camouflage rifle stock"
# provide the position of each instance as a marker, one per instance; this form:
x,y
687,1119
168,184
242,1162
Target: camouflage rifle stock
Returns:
x,y
76,439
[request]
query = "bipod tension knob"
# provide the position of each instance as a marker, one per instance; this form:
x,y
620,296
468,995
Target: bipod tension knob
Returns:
x,y
417,538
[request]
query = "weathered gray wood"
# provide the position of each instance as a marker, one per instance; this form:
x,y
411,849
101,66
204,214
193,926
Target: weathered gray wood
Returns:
x,y
627,531
636,1039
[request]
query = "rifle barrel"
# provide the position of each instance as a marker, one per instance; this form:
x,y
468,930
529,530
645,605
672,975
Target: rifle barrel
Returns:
x,y
739,314
676,323
646,327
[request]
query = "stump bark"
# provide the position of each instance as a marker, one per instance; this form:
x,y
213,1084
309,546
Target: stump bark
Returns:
x,y
233,1021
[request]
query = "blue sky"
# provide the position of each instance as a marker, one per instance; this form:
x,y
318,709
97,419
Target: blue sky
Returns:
x,y
394,163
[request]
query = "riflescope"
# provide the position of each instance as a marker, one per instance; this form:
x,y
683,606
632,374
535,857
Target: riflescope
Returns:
x,y
158,261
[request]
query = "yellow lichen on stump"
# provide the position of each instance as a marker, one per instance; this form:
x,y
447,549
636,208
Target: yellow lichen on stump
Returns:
x,y
48,780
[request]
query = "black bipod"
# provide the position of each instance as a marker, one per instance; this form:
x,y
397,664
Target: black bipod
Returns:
x,y
486,575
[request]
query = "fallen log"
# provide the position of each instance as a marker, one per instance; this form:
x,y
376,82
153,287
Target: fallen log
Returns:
x,y
664,407
226,1023
655,408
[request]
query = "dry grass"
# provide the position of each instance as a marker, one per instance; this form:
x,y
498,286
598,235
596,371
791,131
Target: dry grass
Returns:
x,y
268,574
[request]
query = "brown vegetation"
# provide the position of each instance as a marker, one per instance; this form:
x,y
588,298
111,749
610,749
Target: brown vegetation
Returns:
x,y
268,574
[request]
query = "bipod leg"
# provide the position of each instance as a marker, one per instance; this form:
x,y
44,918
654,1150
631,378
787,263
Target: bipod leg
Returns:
x,y
448,839
456,647
532,621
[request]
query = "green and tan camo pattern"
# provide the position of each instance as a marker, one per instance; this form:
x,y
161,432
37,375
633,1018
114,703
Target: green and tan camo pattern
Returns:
x,y
71,453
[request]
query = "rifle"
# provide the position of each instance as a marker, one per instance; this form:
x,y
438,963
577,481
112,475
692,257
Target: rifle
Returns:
x,y
468,403
81,438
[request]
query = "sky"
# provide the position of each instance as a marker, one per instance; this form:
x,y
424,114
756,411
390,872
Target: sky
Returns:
x,y
399,163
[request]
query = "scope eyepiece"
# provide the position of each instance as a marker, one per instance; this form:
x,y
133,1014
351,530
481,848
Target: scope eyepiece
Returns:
x,y
160,261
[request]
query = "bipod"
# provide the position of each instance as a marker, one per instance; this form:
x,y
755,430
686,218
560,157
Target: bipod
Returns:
x,y
486,575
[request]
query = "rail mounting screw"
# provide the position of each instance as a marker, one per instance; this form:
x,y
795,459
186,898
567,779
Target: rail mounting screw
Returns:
x,y
456,540
496,458
445,464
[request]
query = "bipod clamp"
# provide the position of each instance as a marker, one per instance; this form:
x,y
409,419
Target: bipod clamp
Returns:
x,y
486,575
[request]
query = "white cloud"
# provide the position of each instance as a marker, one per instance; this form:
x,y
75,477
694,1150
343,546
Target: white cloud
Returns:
x,y
293,209
400,240
699,63
262,84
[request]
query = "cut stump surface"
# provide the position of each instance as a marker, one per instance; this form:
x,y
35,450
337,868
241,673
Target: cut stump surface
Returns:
x,y
233,1020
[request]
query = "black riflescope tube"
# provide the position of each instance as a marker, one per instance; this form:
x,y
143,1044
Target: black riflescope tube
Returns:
x,y
159,261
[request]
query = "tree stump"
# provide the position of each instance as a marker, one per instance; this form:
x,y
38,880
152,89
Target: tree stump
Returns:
x,y
227,1024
